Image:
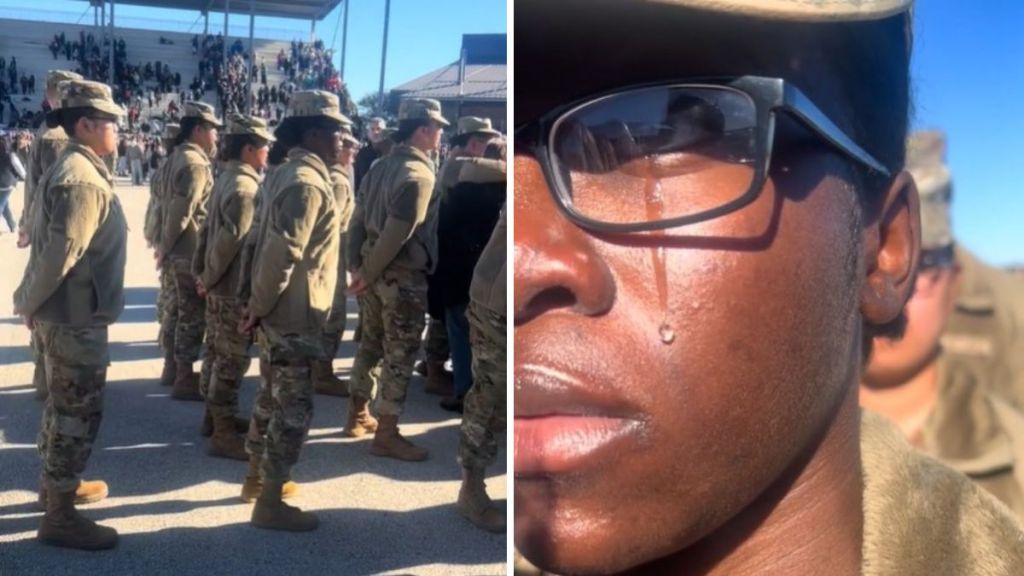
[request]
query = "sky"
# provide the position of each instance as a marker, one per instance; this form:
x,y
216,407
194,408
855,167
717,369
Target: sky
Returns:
x,y
423,34
968,75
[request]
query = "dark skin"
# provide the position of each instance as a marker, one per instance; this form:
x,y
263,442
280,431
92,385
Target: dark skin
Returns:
x,y
745,466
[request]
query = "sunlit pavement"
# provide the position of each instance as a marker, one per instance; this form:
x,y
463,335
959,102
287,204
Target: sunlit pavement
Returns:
x,y
177,509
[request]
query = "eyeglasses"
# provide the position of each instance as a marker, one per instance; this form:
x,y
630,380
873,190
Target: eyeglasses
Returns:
x,y
655,157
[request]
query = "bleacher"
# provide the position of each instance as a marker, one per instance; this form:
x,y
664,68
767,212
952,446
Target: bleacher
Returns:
x,y
29,43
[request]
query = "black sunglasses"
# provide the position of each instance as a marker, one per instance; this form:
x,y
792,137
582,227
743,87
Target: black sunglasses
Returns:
x,y
638,159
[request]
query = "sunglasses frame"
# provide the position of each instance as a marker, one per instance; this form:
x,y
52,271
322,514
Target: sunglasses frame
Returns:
x,y
769,95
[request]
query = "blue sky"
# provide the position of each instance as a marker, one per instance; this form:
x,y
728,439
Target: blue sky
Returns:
x,y
424,34
968,71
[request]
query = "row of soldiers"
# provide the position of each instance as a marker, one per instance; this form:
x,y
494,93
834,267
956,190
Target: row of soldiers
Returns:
x,y
248,257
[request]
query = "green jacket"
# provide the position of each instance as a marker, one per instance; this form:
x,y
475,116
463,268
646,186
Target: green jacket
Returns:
x,y
189,182
395,223
152,227
977,433
923,518
294,264
75,274
986,329
232,209
46,148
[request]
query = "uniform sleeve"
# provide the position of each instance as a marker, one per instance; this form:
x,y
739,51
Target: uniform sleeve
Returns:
x,y
356,234
287,232
346,201
249,248
183,198
236,216
408,210
199,256
43,153
76,214
483,171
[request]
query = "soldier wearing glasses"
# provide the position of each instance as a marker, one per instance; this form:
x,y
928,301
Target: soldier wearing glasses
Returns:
x,y
710,228
934,383
72,291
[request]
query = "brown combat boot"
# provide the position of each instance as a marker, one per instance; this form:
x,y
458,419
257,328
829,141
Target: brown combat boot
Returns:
x,y
39,380
186,383
226,442
88,492
206,428
272,513
360,422
439,380
63,526
476,506
253,485
389,443
325,382
170,371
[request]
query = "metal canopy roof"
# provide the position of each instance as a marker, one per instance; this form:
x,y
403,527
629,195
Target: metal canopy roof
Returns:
x,y
298,9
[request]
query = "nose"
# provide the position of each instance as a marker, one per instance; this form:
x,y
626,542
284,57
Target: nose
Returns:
x,y
556,264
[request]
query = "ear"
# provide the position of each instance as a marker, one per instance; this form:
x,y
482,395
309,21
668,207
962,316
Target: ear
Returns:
x,y
892,247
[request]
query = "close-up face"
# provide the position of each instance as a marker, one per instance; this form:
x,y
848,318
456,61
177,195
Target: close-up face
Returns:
x,y
373,131
432,135
99,133
347,152
256,156
476,145
893,362
664,380
206,137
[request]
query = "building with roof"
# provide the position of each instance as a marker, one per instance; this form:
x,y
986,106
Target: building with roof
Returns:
x,y
474,85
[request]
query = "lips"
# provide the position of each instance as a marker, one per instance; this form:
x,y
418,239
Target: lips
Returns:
x,y
564,425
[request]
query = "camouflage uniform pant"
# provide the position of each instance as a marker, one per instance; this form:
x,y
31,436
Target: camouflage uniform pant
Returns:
x,y
436,348
394,310
228,354
284,402
189,311
483,416
38,356
166,314
76,369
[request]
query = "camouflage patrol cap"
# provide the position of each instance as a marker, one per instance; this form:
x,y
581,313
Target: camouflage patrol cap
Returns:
x,y
314,103
239,125
422,109
475,125
83,94
201,110
926,162
348,138
55,77
797,10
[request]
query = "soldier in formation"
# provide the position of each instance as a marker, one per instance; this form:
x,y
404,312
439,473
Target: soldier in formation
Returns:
x,y
72,291
392,247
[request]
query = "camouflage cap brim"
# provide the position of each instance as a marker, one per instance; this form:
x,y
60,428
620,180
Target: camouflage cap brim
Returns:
x,y
799,10
437,117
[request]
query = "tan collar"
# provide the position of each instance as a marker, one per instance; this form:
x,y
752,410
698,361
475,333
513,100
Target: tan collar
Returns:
x,y
312,160
965,430
242,168
76,145
195,148
413,152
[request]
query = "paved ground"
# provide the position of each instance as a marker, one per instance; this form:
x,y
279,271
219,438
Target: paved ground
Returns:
x,y
177,509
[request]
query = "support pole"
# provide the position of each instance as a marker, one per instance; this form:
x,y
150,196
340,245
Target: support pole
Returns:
x,y
344,40
113,42
227,10
312,30
252,59
383,56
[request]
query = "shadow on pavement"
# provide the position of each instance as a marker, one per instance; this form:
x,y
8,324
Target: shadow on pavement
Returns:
x,y
364,542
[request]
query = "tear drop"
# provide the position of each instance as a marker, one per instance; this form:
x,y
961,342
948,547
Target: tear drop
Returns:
x,y
667,334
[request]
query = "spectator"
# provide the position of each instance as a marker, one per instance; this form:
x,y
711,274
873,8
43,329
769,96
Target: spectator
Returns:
x,y
11,171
